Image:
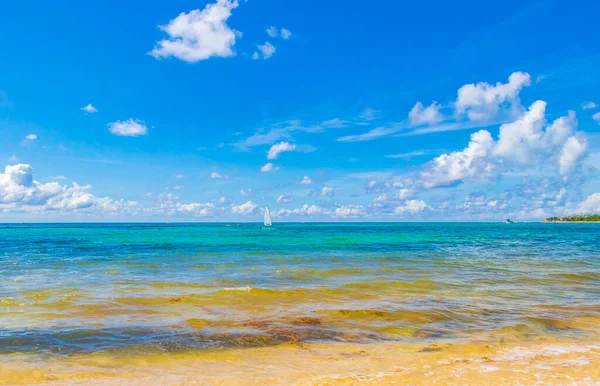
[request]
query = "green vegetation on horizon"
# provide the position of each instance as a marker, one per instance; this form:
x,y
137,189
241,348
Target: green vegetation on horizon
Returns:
x,y
575,218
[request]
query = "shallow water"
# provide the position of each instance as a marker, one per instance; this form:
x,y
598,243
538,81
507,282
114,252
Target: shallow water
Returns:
x,y
112,302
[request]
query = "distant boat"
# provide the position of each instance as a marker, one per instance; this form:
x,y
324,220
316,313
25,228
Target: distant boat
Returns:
x,y
267,219
509,221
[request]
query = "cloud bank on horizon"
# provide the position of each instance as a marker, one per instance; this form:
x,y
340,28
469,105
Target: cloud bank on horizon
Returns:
x,y
472,151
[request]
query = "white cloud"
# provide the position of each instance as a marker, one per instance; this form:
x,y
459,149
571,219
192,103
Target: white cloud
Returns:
x,y
20,192
179,176
286,33
284,130
406,155
279,148
306,181
420,115
31,137
247,208
377,132
285,198
405,193
266,50
196,208
367,115
334,123
13,159
305,210
327,191
591,204
450,168
268,167
169,204
411,206
477,105
589,105
596,117
482,101
215,175
272,31
350,211
89,109
573,150
522,143
246,193
199,34
128,128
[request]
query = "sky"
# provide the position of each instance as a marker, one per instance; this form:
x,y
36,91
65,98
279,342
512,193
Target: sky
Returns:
x,y
387,111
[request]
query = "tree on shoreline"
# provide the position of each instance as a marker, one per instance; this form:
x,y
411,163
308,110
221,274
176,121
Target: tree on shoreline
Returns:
x,y
576,218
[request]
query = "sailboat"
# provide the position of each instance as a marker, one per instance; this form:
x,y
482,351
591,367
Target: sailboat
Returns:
x,y
267,219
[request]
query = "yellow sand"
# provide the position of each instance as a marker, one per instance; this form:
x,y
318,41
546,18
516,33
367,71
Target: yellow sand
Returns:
x,y
541,361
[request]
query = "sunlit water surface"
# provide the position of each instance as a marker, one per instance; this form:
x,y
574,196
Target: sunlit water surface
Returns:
x,y
301,303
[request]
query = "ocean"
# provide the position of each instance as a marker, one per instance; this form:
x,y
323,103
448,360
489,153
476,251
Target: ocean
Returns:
x,y
302,303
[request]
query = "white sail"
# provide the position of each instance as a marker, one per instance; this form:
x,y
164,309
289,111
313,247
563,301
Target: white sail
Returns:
x,y
267,217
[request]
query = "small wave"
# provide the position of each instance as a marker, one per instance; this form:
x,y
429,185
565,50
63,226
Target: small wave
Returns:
x,y
247,289
521,353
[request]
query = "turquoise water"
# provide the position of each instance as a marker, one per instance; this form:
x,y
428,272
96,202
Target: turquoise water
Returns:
x,y
70,288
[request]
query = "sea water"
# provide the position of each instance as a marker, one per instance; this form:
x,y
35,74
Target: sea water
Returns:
x,y
114,301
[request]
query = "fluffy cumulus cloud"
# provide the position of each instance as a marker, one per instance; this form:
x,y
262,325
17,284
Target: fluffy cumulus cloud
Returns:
x,y
274,32
265,51
591,204
482,101
31,137
217,176
279,148
199,34
327,191
306,181
129,128
526,142
268,167
397,203
169,204
20,192
596,117
286,33
420,114
89,109
350,211
411,207
447,169
285,198
589,105
246,209
477,105
305,210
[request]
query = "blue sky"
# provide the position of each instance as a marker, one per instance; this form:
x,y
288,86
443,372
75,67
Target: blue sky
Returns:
x,y
155,111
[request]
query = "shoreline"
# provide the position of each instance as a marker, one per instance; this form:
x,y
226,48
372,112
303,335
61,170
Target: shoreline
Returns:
x,y
572,222
546,359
